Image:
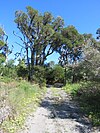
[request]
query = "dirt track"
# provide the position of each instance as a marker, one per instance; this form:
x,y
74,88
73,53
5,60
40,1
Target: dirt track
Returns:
x,y
57,114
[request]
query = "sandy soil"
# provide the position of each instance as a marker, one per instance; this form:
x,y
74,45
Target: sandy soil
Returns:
x,y
57,114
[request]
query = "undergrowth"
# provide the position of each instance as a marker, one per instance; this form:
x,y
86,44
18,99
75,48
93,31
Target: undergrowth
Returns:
x,y
22,98
88,96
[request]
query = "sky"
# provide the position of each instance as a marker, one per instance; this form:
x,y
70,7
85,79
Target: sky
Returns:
x,y
83,14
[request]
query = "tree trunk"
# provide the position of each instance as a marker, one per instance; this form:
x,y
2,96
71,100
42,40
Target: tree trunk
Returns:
x,y
28,63
74,76
32,62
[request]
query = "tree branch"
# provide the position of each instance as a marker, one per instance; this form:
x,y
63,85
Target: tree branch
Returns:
x,y
19,44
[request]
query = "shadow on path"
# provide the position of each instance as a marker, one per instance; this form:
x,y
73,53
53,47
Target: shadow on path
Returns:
x,y
66,109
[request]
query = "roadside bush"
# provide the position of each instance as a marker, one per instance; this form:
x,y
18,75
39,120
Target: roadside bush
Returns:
x,y
8,69
21,69
55,75
87,95
58,73
39,76
72,88
49,76
8,72
22,72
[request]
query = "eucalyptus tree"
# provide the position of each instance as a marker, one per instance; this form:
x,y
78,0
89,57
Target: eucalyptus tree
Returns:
x,y
71,49
40,35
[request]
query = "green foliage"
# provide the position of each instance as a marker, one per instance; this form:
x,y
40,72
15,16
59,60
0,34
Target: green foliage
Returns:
x,y
71,49
22,70
22,98
55,74
5,79
87,92
10,63
88,96
72,88
73,36
1,43
8,70
3,46
74,74
39,75
49,76
40,32
89,69
2,33
2,58
58,73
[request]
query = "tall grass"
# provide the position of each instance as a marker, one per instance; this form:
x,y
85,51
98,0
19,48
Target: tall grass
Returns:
x,y
21,98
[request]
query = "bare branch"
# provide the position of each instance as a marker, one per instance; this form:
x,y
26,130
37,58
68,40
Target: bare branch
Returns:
x,y
19,44
18,37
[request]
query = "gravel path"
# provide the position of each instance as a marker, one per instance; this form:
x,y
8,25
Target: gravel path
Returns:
x,y
57,114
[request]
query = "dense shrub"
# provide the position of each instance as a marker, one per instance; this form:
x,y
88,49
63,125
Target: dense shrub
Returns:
x,y
8,72
72,88
58,73
88,96
39,76
22,72
55,75
8,69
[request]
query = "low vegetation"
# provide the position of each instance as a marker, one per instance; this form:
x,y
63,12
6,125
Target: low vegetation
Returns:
x,y
17,100
87,95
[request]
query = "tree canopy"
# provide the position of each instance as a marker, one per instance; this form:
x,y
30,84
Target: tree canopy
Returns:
x,y
71,49
41,34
